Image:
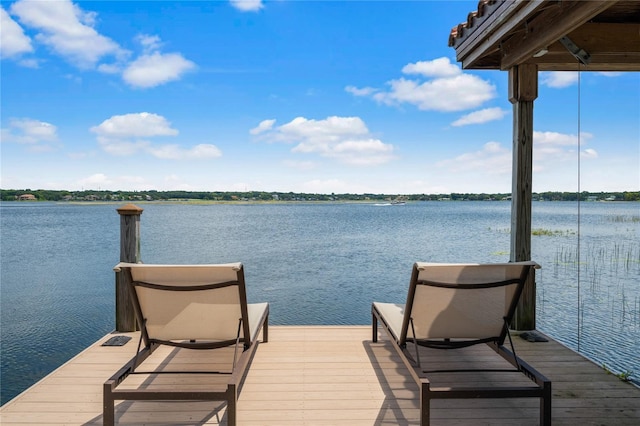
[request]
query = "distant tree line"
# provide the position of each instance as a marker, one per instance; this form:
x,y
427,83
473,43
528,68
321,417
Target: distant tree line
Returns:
x,y
51,195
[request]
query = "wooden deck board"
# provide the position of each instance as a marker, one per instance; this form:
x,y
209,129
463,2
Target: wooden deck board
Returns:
x,y
326,375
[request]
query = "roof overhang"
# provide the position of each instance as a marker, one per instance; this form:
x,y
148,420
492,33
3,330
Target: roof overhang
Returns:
x,y
553,34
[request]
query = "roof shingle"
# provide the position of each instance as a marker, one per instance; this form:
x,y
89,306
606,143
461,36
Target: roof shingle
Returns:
x,y
459,30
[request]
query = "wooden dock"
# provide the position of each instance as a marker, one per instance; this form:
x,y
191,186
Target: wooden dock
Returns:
x,y
329,375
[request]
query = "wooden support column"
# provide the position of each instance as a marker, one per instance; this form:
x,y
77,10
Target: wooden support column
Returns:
x,y
129,252
523,90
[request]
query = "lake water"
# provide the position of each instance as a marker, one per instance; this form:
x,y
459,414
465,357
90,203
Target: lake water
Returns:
x,y
315,264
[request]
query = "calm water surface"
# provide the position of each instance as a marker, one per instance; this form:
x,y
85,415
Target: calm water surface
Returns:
x,y
314,264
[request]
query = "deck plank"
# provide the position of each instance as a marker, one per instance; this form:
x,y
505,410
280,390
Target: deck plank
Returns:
x,y
326,375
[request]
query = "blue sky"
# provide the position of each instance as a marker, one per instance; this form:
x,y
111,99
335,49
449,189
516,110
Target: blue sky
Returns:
x,y
302,96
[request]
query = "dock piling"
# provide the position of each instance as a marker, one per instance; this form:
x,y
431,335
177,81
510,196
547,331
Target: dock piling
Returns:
x,y
129,252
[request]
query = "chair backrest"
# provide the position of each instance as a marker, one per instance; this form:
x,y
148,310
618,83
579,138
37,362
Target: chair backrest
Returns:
x,y
462,301
177,303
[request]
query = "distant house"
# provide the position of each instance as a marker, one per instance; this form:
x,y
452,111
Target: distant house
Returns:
x,y
27,197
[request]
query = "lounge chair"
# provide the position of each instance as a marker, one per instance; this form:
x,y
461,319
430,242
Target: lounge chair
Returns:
x,y
189,307
451,306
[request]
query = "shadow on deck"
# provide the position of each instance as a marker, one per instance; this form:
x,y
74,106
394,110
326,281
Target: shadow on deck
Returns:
x,y
331,375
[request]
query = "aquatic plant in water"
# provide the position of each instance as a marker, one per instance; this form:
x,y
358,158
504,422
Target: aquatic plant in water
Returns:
x,y
625,376
551,232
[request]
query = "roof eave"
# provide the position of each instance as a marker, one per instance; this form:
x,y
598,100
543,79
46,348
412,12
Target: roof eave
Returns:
x,y
511,32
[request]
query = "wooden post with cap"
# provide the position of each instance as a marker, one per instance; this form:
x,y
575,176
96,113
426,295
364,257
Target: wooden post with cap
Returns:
x,y
129,252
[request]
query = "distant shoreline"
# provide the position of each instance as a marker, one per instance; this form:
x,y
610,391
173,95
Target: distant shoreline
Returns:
x,y
196,202
253,197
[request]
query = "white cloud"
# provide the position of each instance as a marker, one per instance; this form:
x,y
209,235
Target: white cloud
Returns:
x,y
440,67
95,180
29,63
554,147
492,159
128,134
610,73
331,128
67,30
481,116
150,43
247,5
38,134
546,140
444,94
556,157
365,91
122,147
449,89
553,153
110,68
262,127
13,41
559,79
345,139
357,152
176,152
155,69
143,124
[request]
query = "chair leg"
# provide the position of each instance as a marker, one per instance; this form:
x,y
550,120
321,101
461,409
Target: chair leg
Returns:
x,y
545,405
265,330
374,327
108,406
232,399
425,402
